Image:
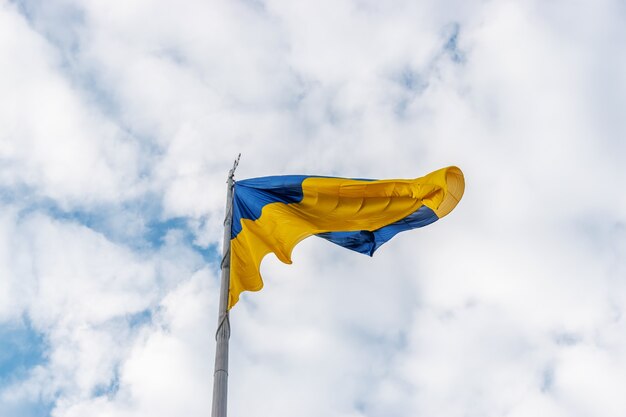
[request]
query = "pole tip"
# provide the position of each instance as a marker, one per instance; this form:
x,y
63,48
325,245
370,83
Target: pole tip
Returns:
x,y
231,173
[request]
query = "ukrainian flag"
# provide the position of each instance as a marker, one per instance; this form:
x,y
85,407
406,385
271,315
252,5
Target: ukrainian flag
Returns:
x,y
273,214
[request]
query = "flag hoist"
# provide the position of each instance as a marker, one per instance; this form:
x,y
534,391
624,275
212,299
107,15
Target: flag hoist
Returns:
x,y
273,214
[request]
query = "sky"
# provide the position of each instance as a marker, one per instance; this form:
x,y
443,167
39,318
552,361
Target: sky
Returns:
x,y
119,122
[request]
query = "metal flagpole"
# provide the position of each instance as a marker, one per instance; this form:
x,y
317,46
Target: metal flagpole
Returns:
x,y
220,377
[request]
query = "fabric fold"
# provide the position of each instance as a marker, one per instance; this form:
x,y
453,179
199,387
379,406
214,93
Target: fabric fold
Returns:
x,y
273,214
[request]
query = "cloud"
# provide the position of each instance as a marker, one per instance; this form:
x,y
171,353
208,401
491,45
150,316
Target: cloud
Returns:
x,y
52,141
90,300
119,122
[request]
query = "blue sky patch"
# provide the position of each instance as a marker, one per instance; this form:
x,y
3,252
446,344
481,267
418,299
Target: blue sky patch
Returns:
x,y
21,349
135,224
452,44
27,409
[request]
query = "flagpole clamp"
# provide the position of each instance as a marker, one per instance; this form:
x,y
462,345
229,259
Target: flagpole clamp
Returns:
x,y
224,323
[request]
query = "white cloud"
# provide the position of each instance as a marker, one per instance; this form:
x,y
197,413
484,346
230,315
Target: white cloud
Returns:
x,y
90,298
510,306
52,138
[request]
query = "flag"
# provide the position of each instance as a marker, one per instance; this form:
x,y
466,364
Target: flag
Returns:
x,y
273,214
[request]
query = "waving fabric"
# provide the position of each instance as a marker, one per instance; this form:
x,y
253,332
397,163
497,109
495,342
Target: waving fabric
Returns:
x,y
273,214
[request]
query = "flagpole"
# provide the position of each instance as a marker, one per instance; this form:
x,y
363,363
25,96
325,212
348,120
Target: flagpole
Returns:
x,y
220,376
